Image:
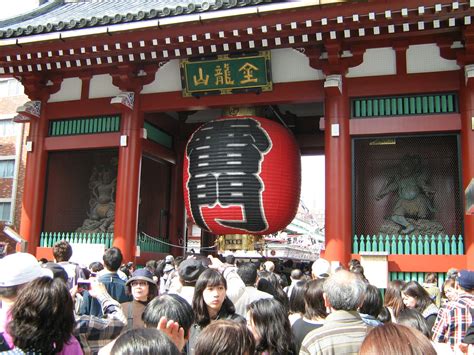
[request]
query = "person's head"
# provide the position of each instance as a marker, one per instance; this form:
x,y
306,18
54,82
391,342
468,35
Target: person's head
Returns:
x,y
269,323
230,259
297,304
452,273
141,285
269,266
296,274
344,291
170,306
189,271
151,265
248,273
415,296
352,263
42,316
314,301
62,251
17,270
449,290
392,338
384,315
465,281
393,296
431,278
320,269
414,319
143,342
225,337
210,297
95,267
57,270
372,304
112,259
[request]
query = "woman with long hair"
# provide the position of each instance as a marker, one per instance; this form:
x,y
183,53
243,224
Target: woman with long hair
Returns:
x,y
267,282
142,287
271,328
296,302
210,303
43,319
393,298
416,297
315,311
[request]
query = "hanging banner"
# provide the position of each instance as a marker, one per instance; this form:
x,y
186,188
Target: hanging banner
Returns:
x,y
226,75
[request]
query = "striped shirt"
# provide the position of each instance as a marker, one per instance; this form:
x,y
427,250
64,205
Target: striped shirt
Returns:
x,y
342,333
453,320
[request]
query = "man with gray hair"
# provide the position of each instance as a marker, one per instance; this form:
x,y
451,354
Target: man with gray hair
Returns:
x,y
343,331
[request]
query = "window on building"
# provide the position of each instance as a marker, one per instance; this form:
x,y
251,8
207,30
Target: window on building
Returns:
x,y
5,211
7,168
10,87
7,128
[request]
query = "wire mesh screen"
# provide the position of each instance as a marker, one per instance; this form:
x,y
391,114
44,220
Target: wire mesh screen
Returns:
x,y
407,186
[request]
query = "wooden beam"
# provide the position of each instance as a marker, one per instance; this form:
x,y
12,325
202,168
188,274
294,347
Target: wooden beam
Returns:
x,y
83,141
296,92
405,124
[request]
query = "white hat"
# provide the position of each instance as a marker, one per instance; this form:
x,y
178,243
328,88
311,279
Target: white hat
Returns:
x,y
20,268
321,268
169,259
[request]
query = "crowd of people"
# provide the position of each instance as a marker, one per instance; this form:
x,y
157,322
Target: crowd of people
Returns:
x,y
216,305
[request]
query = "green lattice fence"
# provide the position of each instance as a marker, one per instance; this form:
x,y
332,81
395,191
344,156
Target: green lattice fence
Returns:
x,y
48,239
416,276
90,125
145,242
405,105
410,244
152,244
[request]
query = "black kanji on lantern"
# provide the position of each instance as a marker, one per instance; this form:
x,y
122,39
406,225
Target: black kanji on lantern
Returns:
x,y
224,165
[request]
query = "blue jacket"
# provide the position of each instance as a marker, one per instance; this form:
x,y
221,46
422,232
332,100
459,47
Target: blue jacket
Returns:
x,y
115,287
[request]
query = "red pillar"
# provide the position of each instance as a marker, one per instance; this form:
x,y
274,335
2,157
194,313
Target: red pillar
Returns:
x,y
338,171
34,183
176,220
467,154
128,182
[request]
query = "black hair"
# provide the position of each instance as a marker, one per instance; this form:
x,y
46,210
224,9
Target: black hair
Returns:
x,y
414,319
42,316
248,273
62,251
152,290
419,293
297,298
372,304
96,266
225,337
314,301
144,341
113,259
268,283
385,316
209,278
270,321
230,259
170,306
10,291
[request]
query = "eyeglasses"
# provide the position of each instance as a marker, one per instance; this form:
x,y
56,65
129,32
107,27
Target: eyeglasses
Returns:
x,y
139,283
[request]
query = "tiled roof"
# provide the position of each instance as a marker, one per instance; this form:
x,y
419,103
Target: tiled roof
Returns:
x,y
61,15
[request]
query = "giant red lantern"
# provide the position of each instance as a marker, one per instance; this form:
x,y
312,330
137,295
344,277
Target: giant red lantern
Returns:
x,y
242,175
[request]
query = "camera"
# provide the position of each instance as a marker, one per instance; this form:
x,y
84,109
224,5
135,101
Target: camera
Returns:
x,y
83,285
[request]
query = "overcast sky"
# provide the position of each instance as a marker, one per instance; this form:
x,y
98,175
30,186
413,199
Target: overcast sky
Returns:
x,y
11,8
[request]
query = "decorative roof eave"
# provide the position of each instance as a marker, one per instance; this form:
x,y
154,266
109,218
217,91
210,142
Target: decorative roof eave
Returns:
x,y
170,15
307,27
